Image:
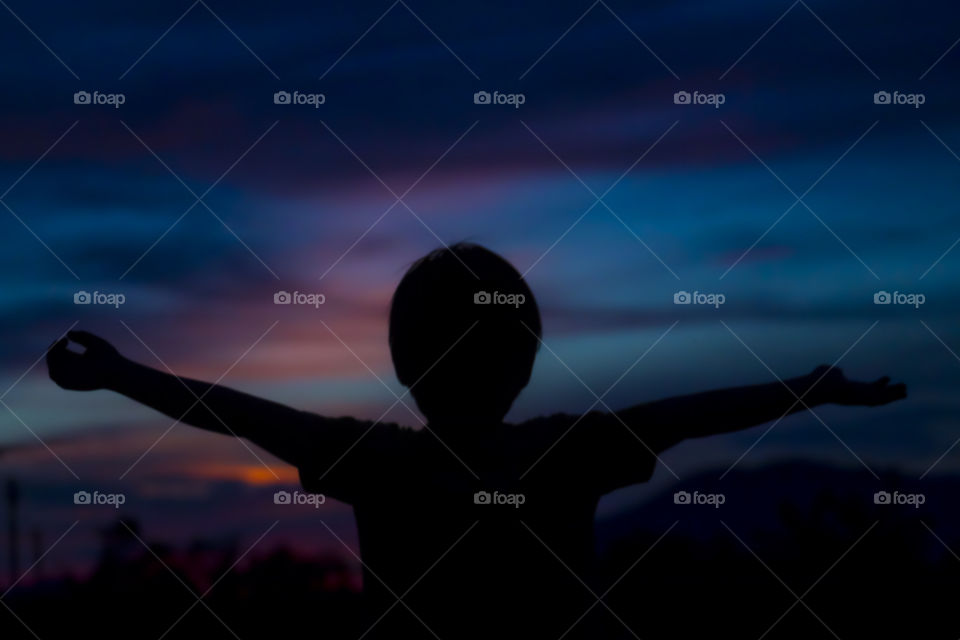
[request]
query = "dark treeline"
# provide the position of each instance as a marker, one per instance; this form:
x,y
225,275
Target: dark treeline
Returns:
x,y
859,569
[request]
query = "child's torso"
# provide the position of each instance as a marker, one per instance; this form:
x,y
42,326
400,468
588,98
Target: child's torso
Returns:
x,y
476,541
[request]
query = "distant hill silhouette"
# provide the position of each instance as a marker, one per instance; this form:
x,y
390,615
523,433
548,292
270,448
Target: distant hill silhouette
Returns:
x,y
758,497
799,518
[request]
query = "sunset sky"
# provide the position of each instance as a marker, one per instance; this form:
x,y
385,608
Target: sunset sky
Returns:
x,y
297,198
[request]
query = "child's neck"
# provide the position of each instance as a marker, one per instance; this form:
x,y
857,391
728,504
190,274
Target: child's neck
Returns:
x,y
463,423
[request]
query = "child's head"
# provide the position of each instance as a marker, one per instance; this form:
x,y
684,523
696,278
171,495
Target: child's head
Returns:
x,y
464,331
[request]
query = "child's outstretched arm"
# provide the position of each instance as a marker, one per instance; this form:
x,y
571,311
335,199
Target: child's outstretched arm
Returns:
x,y
287,433
664,423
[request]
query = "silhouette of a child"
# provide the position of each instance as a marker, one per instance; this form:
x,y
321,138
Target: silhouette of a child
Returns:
x,y
470,527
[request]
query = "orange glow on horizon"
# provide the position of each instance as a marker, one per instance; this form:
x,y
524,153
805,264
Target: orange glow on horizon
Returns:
x,y
251,474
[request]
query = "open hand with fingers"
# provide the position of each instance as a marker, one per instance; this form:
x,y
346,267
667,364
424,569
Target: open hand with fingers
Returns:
x,y
95,368
830,385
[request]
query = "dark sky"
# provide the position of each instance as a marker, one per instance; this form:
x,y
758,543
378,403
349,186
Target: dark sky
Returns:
x,y
798,198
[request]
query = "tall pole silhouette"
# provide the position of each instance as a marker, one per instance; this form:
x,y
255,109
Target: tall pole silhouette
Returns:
x,y
13,502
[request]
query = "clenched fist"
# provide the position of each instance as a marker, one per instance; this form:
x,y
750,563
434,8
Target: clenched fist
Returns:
x,y
95,368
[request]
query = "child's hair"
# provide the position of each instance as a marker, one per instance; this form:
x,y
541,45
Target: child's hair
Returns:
x,y
464,325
